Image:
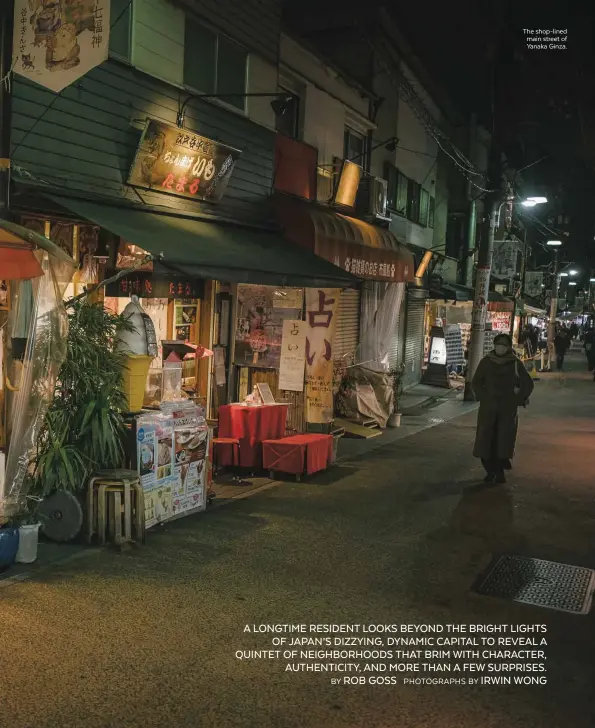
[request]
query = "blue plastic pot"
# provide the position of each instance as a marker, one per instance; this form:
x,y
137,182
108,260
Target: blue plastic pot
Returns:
x,y
9,545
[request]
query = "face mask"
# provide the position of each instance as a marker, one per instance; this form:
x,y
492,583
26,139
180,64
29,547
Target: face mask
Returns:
x,y
501,349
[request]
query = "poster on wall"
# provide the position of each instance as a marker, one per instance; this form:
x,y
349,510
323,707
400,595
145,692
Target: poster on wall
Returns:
x,y
504,263
259,326
191,438
322,305
55,43
293,356
500,321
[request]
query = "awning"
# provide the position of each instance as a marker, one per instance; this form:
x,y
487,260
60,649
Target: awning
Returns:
x,y
451,292
216,251
17,259
367,251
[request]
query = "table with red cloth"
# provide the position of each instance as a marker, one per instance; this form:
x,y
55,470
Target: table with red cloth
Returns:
x,y
250,425
308,453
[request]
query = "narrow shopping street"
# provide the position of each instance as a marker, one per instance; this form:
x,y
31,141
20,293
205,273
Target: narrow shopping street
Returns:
x,y
148,637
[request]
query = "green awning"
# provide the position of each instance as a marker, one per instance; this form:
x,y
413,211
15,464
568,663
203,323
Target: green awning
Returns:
x,y
211,250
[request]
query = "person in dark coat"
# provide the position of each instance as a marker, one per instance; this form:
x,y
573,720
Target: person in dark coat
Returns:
x,y
502,385
589,344
562,343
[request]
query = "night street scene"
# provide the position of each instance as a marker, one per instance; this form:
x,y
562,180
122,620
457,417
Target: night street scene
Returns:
x,y
297,364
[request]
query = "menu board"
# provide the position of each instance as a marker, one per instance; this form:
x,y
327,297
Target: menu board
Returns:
x,y
293,356
191,438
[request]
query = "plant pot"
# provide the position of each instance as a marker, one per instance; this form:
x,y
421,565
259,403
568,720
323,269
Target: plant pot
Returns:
x,y
394,420
9,545
28,539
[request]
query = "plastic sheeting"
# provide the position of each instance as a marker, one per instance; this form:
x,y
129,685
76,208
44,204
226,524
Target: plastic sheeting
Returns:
x,y
366,394
45,352
380,306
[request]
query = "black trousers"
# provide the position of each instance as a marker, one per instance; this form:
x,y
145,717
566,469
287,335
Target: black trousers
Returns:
x,y
590,359
494,465
560,361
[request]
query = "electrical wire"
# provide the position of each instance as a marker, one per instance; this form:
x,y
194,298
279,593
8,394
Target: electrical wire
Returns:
x,y
59,95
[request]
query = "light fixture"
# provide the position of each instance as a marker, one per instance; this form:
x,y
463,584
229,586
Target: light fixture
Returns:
x,y
572,283
591,280
391,145
284,99
564,275
281,105
572,272
528,203
554,243
537,200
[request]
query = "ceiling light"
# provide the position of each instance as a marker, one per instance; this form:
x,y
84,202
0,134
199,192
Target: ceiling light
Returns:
x,y
554,243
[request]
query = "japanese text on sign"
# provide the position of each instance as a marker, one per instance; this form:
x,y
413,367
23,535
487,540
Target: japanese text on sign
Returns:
x,y
321,309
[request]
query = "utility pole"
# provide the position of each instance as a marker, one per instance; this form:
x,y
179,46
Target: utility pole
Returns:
x,y
551,329
472,224
6,31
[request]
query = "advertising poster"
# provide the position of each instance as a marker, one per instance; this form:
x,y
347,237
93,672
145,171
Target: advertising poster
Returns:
x,y
158,505
55,43
500,321
533,283
191,437
154,450
504,263
259,326
322,305
293,356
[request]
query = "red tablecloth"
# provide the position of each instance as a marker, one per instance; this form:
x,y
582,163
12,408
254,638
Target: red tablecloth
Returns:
x,y
251,425
290,454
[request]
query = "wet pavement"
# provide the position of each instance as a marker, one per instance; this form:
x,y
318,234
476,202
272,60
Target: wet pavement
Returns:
x,y
397,535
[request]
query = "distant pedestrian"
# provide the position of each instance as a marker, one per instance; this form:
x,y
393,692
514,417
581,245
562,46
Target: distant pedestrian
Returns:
x,y
502,385
589,348
562,343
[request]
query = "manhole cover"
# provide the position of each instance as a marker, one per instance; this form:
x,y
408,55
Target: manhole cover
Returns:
x,y
541,583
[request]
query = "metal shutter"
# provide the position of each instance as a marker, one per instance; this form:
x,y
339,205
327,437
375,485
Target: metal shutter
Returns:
x,y
395,355
414,335
347,327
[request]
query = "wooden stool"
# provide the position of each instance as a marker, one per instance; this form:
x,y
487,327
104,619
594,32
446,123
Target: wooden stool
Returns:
x,y
106,488
217,442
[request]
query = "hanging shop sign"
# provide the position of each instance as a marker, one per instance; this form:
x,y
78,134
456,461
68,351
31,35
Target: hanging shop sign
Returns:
x,y
259,325
322,305
377,264
533,283
147,285
504,263
56,42
293,356
176,162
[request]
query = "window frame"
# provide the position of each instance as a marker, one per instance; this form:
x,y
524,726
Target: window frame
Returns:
x,y
424,207
363,158
413,200
431,211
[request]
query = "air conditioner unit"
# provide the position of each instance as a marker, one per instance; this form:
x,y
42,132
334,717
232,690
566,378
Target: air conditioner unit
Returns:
x,y
371,201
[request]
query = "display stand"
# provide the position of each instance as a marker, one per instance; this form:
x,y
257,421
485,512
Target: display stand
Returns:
x,y
436,373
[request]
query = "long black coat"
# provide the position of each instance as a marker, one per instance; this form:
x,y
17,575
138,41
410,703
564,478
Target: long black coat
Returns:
x,y
497,420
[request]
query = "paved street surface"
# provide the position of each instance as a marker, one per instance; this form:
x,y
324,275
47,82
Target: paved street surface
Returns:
x,y
148,638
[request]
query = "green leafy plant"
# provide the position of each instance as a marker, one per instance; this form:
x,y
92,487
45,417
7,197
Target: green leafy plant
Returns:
x,y
84,428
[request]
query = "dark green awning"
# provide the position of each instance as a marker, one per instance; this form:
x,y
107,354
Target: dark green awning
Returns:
x,y
213,250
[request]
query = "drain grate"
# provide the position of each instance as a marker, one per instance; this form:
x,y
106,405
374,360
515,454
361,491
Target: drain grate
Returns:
x,y
541,583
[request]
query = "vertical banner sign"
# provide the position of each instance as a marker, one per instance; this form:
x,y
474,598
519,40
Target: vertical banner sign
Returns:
x,y
293,356
482,283
56,42
322,305
533,283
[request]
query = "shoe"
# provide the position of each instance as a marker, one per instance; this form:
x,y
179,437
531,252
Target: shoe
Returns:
x,y
489,478
507,465
500,478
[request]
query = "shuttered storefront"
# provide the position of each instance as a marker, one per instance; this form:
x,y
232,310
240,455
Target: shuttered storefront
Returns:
x,y
347,331
395,354
414,335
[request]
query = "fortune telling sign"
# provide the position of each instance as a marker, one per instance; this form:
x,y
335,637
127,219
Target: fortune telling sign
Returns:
x,y
177,162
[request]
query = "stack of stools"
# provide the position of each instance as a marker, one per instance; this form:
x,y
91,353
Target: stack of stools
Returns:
x,y
115,498
308,453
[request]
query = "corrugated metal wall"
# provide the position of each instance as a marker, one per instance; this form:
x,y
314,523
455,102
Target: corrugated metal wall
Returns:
x,y
414,335
395,355
347,331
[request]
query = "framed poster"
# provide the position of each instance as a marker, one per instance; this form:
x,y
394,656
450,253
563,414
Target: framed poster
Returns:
x,y
265,393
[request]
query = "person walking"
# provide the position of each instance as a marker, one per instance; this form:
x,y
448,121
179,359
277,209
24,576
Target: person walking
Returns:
x,y
561,345
588,343
501,385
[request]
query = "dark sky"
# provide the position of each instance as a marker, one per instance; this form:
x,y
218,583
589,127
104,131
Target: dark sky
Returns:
x,y
550,94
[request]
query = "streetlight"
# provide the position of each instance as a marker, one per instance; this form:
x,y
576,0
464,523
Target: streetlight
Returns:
x,y
572,283
572,273
532,201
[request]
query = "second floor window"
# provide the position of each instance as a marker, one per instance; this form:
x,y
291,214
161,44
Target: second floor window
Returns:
x,y
287,115
214,64
354,147
424,207
413,200
397,189
431,208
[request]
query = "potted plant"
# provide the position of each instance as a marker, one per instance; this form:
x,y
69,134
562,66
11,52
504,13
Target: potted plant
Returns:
x,y
396,375
84,427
